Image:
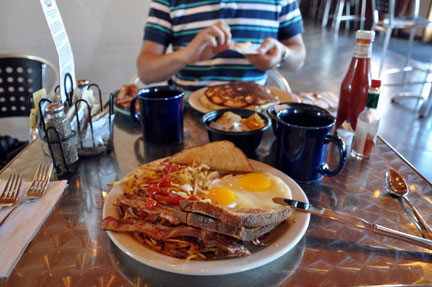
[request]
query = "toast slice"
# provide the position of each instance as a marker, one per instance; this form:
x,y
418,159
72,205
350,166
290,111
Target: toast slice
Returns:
x,y
237,217
215,225
223,156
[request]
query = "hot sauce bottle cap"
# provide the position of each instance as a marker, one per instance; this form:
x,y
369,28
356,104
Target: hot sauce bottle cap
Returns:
x,y
365,34
376,83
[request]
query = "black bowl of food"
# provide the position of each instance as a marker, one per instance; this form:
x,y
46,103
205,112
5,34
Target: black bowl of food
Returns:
x,y
243,127
272,111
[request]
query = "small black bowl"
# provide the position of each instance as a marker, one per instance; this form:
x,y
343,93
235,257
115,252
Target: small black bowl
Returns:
x,y
271,113
246,141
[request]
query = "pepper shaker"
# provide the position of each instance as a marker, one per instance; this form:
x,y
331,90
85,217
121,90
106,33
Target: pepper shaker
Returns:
x,y
56,120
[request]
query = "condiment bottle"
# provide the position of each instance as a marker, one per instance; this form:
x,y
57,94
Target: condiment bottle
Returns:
x,y
354,88
56,118
367,124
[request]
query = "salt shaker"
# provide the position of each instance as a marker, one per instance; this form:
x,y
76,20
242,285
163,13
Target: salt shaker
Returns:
x,y
79,92
56,119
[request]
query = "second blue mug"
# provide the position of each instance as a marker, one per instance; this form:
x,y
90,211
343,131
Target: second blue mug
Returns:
x,y
302,141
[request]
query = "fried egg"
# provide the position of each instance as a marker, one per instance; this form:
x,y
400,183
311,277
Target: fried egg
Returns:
x,y
251,190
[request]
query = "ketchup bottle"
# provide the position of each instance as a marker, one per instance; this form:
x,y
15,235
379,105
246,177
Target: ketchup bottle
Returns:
x,y
355,85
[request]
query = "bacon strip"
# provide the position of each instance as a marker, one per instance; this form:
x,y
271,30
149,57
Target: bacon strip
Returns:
x,y
161,232
225,243
160,210
154,230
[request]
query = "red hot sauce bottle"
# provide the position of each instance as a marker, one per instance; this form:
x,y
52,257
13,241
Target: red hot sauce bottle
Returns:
x,y
355,85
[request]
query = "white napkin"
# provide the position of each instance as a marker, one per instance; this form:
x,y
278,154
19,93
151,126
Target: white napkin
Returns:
x,y
23,224
325,100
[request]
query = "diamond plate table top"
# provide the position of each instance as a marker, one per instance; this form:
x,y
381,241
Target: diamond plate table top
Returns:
x,y
71,249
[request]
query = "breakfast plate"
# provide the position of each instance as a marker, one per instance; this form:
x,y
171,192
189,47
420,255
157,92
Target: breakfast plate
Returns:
x,y
280,240
275,273
195,103
119,109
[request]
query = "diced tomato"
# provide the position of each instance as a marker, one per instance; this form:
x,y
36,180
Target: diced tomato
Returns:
x,y
163,191
173,199
165,181
152,190
160,198
170,168
151,203
193,197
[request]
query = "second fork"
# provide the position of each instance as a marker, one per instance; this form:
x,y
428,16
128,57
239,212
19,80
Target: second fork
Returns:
x,y
37,189
11,190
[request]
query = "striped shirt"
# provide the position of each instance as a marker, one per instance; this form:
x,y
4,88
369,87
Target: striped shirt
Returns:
x,y
177,22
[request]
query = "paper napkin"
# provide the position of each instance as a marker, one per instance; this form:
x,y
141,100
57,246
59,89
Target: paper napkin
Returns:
x,y
23,224
325,100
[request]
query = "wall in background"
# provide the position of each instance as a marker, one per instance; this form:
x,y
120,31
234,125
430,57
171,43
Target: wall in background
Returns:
x,y
105,36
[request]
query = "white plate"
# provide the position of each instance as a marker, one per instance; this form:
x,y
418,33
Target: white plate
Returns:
x,y
194,99
282,239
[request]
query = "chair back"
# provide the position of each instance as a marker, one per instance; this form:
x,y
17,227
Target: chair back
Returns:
x,y
391,13
20,76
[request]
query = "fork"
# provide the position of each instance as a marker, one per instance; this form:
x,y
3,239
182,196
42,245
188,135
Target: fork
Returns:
x,y
38,187
11,190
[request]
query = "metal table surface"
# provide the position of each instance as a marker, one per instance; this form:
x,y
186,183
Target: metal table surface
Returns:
x,y
71,249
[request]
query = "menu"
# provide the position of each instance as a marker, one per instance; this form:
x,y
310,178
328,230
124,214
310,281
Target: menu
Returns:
x,y
62,44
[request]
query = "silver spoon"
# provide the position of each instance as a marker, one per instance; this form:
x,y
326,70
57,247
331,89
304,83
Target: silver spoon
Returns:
x,y
397,186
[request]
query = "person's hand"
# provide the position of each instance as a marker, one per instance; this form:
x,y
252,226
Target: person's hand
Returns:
x,y
207,43
270,53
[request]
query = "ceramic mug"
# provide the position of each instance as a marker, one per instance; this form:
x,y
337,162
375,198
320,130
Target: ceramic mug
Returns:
x,y
302,141
161,114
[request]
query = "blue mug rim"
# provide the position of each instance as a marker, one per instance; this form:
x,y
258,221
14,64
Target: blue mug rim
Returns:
x,y
293,105
143,91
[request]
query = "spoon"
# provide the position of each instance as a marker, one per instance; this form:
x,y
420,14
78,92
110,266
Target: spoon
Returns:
x,y
397,186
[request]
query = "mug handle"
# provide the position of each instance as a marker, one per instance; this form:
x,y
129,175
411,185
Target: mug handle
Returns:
x,y
134,115
324,168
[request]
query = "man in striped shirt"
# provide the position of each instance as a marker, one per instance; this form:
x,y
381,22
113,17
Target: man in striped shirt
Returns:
x,y
202,32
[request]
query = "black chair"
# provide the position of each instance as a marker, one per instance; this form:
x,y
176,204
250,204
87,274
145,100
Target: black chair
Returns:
x,y
20,76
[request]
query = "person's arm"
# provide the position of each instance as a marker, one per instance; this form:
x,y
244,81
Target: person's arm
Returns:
x,y
272,52
156,66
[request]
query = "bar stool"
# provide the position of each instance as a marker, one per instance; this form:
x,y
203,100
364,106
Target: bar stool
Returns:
x,y
338,16
390,21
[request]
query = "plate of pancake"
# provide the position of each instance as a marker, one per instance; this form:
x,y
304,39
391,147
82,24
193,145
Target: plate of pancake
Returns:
x,y
241,95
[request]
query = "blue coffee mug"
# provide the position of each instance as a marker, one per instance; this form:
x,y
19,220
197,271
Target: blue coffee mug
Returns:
x,y
161,114
302,141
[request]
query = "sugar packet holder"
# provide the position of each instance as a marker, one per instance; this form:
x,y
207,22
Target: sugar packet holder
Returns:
x,y
89,120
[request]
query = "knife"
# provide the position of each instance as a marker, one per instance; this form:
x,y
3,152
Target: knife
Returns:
x,y
354,221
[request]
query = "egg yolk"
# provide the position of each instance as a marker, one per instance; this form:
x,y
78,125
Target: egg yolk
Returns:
x,y
222,195
255,181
